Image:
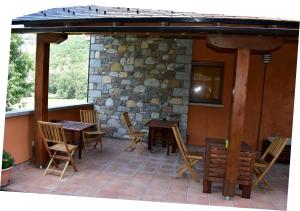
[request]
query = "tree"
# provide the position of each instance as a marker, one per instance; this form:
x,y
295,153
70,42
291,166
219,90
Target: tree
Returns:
x,y
19,67
68,68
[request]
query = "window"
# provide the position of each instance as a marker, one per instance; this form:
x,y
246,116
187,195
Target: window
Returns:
x,y
207,82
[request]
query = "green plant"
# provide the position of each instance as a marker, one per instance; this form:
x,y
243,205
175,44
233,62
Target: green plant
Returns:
x,y
7,160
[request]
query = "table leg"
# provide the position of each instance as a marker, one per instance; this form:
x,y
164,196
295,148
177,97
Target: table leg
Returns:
x,y
80,145
246,191
150,138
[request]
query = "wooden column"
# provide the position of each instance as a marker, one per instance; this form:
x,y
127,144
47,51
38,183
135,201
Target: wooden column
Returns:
x,y
243,45
40,156
237,120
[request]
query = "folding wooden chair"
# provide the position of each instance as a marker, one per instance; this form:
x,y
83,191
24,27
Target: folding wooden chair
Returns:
x,y
93,137
57,147
190,158
264,164
135,136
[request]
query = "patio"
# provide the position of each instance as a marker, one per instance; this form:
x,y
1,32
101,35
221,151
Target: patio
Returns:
x,y
114,173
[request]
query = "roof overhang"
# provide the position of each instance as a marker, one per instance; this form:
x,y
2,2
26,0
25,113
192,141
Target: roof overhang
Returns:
x,y
94,19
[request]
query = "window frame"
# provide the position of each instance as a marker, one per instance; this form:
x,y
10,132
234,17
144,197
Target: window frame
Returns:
x,y
212,102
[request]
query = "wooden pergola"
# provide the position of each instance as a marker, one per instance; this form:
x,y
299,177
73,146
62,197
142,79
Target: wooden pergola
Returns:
x,y
239,33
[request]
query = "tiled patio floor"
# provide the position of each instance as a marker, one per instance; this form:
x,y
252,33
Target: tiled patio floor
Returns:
x,y
114,173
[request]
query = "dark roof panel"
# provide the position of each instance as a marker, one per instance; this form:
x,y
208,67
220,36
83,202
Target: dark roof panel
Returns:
x,y
94,13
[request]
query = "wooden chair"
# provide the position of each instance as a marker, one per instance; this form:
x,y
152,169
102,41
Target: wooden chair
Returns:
x,y
135,136
264,164
190,158
57,147
93,137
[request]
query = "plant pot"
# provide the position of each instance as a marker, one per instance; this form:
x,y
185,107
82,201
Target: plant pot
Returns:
x,y
5,176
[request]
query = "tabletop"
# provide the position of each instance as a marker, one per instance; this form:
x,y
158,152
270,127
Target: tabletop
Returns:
x,y
161,123
75,126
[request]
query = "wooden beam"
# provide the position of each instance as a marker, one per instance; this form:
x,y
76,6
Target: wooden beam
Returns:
x,y
237,121
258,43
52,37
40,156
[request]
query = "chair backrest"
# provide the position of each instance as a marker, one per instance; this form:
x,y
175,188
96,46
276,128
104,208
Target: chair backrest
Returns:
x,y
90,116
52,133
275,148
182,148
128,123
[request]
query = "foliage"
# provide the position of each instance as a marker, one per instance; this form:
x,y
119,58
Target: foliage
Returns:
x,y
19,66
7,160
68,68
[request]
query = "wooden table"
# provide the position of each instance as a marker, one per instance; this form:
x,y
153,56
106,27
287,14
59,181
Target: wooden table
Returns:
x,y
161,129
215,165
76,127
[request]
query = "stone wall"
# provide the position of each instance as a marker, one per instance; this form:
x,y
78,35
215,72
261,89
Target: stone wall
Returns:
x,y
148,77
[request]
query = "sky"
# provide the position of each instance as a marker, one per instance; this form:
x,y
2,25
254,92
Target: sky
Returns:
x,y
283,9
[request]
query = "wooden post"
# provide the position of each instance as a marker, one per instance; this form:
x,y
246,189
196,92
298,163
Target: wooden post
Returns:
x,y
40,155
237,121
243,44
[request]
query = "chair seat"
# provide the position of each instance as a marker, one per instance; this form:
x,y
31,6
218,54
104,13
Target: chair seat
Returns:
x,y
261,165
96,132
139,133
195,155
62,148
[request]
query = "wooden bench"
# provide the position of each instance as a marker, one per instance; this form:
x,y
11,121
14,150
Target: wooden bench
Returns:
x,y
215,165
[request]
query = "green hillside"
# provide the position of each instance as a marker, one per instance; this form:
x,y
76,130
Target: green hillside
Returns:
x,y
68,68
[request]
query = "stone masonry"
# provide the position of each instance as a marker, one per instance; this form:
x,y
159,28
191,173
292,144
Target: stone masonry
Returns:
x,y
148,77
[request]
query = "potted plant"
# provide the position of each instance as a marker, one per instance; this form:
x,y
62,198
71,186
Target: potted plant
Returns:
x,y
7,163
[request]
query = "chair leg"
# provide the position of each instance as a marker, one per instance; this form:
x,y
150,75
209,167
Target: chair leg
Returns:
x,y
52,159
100,141
64,170
260,176
73,162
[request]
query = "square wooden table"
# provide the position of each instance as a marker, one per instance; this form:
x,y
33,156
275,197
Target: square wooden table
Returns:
x,y
76,127
165,128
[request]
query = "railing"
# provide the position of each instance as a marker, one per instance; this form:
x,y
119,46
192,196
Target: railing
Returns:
x,y
19,128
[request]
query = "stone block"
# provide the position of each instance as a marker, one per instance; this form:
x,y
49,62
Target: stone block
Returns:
x,y
95,78
95,63
106,79
175,101
152,82
96,47
123,74
113,123
139,88
113,74
116,67
154,101
154,115
109,102
125,82
144,44
122,48
180,109
178,92
163,46
138,75
131,103
183,76
139,62
128,68
150,60
94,93
115,92
183,59
130,60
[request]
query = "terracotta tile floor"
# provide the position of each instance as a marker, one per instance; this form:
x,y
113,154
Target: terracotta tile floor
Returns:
x,y
114,173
